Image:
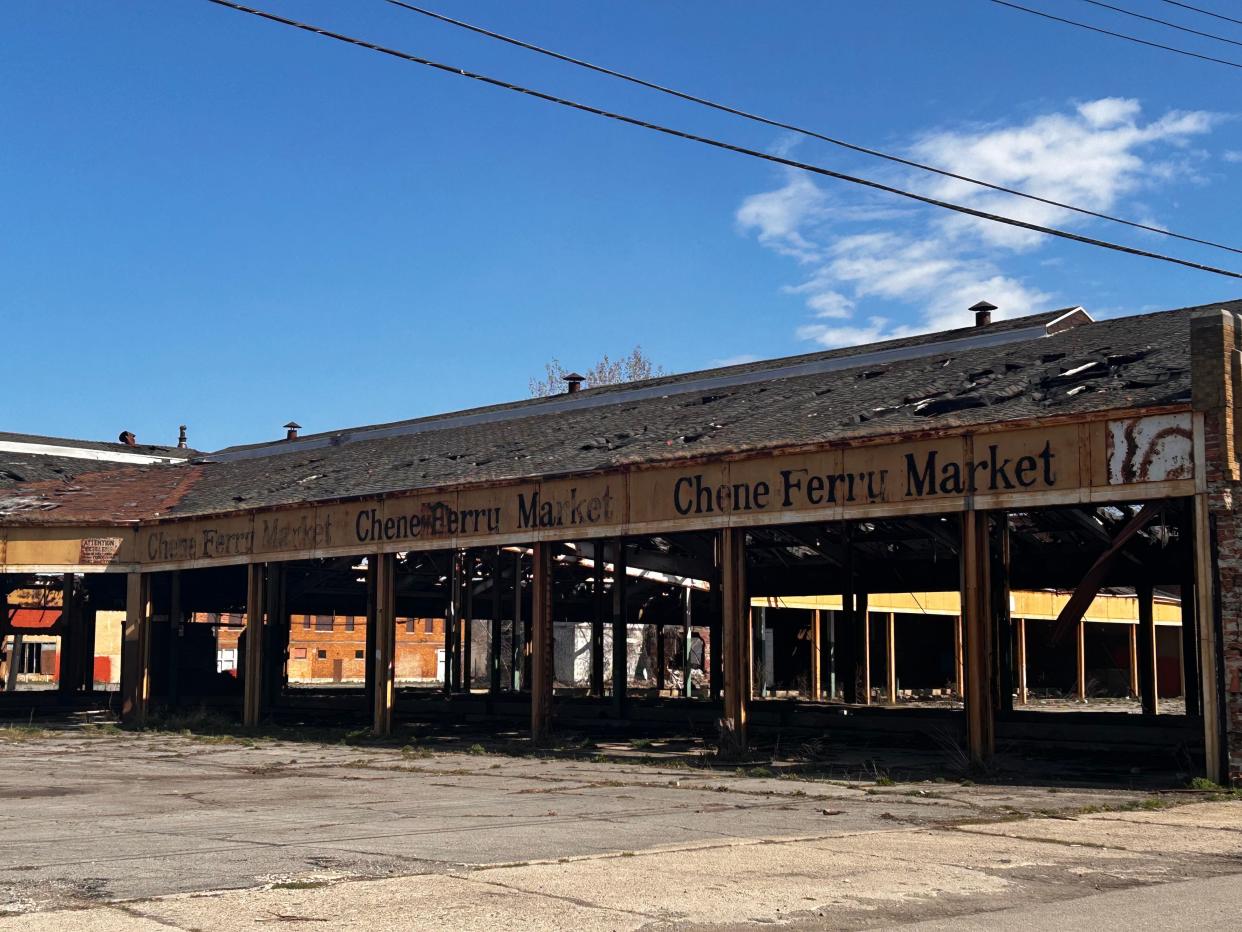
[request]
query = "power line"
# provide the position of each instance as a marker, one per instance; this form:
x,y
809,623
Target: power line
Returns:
x,y
719,144
725,108
1199,9
1118,35
1162,22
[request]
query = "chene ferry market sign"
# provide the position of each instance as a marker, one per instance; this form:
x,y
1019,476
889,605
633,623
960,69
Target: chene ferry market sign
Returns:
x,y
1060,464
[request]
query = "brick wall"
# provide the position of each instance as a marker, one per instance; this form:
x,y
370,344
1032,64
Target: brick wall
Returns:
x,y
1215,371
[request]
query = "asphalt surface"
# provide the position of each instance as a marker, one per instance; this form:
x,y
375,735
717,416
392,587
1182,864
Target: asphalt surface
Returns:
x,y
125,831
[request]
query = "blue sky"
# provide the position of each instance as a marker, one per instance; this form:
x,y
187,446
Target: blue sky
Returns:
x,y
217,221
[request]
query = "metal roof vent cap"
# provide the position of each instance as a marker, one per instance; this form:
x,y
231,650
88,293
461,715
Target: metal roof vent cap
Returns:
x,y
127,437
182,443
983,313
573,382
291,430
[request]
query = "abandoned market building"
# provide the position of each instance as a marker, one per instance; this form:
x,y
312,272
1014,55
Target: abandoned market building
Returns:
x,y
1021,531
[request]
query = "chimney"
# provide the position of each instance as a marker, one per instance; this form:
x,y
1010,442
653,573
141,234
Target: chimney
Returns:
x,y
983,313
127,437
574,382
181,441
291,430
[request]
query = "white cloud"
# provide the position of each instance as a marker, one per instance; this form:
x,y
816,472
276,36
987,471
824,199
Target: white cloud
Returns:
x,y
1233,155
856,260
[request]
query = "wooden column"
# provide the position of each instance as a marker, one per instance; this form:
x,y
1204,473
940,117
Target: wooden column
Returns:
x,y
715,627
276,636
1148,681
828,641
519,628
687,633
467,623
368,667
816,683
865,614
890,658
735,611
1134,661
136,649
1190,645
620,629
599,611
959,657
847,634
541,653
176,625
252,684
89,620
69,678
1080,659
383,661
977,631
496,638
452,633
1023,695
759,650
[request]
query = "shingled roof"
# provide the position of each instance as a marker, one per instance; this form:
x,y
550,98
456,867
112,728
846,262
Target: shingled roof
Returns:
x,y
860,392
26,458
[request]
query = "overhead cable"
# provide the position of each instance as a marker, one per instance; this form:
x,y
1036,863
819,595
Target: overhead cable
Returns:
x,y
1199,9
1162,22
727,146
1117,35
734,111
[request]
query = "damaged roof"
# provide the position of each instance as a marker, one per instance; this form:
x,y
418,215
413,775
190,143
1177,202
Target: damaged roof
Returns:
x,y
26,458
1051,367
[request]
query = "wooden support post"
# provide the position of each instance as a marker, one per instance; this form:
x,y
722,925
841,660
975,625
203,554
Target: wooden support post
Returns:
x,y
1149,690
1206,603
175,633
735,612
599,610
829,639
890,658
136,649
1023,695
715,627
1134,661
977,630
848,641
519,628
959,658
452,635
383,661
541,654
816,686
1190,645
998,611
69,678
494,642
759,650
89,620
467,623
865,614
660,658
368,667
620,629
276,636
687,633
1080,659
252,684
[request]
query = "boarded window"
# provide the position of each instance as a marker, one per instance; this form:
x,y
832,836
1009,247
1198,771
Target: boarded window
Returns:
x,y
299,653
349,622
306,622
409,626
429,626
323,622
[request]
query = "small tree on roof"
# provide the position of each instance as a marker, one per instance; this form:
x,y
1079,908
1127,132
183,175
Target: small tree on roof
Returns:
x,y
633,367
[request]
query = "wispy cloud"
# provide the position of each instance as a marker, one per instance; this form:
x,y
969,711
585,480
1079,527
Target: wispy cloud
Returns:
x,y
862,271
1233,155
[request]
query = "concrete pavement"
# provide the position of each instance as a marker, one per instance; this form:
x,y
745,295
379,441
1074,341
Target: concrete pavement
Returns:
x,y
125,831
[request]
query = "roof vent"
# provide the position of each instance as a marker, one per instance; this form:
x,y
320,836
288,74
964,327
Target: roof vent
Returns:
x,y
574,382
182,443
983,313
291,430
127,437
